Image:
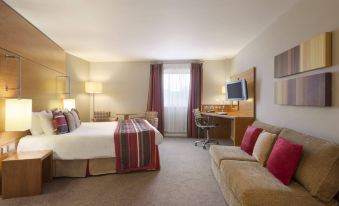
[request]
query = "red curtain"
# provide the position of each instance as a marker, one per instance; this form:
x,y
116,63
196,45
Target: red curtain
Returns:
x,y
194,100
155,94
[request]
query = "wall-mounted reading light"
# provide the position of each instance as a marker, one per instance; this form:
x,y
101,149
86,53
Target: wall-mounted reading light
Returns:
x,y
7,88
68,79
68,103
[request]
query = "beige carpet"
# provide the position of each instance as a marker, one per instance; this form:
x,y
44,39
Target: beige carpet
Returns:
x,y
185,178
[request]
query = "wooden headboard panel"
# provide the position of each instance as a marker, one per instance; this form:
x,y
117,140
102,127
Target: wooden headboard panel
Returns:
x,y
42,61
247,107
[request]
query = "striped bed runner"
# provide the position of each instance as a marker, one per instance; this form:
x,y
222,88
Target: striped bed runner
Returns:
x,y
135,146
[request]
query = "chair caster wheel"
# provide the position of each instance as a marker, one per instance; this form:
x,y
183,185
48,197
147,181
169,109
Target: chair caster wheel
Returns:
x,y
204,147
195,144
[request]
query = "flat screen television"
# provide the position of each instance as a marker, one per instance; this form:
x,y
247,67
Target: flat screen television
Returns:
x,y
236,90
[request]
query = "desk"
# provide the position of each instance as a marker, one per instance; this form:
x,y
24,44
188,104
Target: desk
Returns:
x,y
232,125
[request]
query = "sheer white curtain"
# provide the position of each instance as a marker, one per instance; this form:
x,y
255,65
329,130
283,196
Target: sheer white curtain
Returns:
x,y
176,80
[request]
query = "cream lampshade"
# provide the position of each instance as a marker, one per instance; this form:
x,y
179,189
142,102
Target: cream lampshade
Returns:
x,y
18,114
69,104
93,87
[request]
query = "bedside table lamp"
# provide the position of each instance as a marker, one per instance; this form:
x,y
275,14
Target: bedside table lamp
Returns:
x,y
69,104
18,114
93,88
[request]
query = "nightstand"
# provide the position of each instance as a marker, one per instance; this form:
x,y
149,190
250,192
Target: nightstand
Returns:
x,y
23,173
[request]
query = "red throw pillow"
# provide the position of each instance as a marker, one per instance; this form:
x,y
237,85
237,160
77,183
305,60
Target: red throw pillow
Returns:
x,y
60,123
284,160
250,137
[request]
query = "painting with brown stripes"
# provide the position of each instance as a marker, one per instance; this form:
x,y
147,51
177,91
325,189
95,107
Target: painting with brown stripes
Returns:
x,y
313,90
313,54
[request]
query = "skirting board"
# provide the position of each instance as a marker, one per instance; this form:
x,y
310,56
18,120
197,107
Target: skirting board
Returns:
x,y
313,54
314,90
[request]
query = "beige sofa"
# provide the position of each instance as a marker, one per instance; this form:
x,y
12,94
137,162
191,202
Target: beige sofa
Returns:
x,y
243,181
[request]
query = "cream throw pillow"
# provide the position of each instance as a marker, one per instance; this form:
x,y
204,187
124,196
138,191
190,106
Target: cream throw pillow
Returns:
x,y
36,128
263,147
46,121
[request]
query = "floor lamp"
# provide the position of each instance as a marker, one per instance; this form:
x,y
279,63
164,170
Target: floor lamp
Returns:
x,y
93,88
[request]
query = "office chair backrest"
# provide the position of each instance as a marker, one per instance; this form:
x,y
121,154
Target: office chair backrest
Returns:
x,y
197,113
198,118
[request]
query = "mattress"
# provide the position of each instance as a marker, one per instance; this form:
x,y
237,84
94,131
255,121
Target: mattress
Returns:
x,y
91,140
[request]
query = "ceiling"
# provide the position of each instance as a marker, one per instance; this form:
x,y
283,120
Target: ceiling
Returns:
x,y
142,30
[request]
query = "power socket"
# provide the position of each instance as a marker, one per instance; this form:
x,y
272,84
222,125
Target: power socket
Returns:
x,y
11,147
4,149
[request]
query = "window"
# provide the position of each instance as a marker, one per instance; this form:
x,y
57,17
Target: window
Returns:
x,y
176,82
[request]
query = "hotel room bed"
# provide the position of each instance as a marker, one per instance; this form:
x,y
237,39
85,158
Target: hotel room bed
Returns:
x,y
88,150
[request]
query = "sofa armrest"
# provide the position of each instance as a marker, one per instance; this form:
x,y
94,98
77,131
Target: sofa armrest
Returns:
x,y
153,121
112,119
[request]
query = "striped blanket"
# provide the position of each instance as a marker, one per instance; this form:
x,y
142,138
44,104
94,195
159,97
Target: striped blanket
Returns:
x,y
135,146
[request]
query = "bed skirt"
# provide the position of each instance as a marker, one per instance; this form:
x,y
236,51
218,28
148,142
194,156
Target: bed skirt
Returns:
x,y
83,168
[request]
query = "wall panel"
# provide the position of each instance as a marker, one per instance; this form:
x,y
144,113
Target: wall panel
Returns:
x,y
41,59
305,19
9,70
40,85
19,36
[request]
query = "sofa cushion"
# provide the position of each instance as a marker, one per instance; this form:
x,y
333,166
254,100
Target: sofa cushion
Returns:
x,y
250,137
253,185
219,153
318,170
284,159
263,147
267,127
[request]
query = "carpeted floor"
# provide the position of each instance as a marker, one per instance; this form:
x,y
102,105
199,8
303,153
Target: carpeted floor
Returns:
x,y
185,178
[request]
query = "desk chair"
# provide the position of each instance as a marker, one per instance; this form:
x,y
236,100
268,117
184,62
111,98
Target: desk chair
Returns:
x,y
203,123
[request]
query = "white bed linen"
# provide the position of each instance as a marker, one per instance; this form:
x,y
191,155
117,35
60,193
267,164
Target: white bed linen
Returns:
x,y
91,140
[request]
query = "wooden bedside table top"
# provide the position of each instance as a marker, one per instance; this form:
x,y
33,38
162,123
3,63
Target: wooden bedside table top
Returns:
x,y
42,154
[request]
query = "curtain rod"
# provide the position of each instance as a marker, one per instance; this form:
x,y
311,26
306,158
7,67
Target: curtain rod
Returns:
x,y
177,62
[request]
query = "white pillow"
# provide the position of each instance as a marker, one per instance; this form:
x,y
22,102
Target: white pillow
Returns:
x,y
76,118
36,128
46,122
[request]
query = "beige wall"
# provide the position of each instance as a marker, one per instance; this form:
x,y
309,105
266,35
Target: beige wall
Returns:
x,y
304,20
78,70
215,74
125,86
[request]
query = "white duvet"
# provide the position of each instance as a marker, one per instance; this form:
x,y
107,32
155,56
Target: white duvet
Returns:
x,y
91,140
